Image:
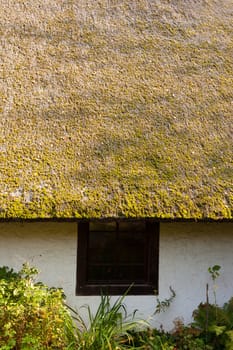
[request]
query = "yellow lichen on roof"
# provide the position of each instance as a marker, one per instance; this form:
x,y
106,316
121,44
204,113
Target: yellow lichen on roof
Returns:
x,y
116,109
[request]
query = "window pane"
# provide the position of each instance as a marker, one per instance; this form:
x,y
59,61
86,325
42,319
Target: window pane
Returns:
x,y
102,226
132,226
117,255
110,273
100,247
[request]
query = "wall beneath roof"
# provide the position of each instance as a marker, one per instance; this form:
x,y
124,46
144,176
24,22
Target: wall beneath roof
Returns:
x,y
186,252
49,246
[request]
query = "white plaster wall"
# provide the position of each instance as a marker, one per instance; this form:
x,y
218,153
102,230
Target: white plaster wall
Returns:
x,y
49,246
186,252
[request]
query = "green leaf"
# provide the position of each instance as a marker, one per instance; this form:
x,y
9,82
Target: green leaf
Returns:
x,y
218,330
216,268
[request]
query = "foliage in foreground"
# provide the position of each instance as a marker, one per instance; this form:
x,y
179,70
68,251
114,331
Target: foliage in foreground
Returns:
x,y
215,324
110,327
33,316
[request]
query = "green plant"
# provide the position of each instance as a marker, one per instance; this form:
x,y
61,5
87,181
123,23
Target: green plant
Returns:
x,y
214,272
7,273
164,304
109,328
153,339
219,333
32,316
188,338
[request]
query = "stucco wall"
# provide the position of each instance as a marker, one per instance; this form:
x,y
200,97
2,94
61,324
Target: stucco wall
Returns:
x,y
186,252
49,246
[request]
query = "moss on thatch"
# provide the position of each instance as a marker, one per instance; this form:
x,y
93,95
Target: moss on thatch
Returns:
x,y
116,109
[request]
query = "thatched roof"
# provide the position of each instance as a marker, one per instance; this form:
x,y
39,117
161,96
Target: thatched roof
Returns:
x,y
116,108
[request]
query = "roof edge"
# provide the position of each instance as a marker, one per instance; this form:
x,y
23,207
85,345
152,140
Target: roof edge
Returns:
x,y
162,220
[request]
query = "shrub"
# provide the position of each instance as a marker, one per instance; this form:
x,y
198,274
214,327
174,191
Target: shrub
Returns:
x,y
153,339
215,324
32,316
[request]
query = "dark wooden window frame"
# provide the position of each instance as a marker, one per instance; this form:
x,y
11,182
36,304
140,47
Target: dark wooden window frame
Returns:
x,y
149,285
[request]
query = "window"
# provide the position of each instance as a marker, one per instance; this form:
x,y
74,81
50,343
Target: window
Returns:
x,y
115,255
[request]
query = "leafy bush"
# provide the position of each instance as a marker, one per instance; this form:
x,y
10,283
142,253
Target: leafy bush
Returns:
x,y
153,339
32,316
181,338
188,337
215,324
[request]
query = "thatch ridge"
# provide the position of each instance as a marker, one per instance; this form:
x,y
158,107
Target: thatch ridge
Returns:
x,y
116,109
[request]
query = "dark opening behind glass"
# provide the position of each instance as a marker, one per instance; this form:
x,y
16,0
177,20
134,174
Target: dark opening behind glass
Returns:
x,y
116,252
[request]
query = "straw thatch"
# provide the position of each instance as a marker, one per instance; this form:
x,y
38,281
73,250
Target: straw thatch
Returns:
x,y
116,108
